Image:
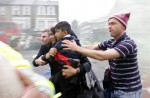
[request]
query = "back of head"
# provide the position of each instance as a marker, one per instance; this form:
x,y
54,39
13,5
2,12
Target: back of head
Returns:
x,y
63,25
73,34
10,85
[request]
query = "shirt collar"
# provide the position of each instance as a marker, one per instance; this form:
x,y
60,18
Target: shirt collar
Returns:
x,y
68,35
121,38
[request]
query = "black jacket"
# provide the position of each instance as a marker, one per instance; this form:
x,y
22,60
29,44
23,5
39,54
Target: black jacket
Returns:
x,y
53,65
43,50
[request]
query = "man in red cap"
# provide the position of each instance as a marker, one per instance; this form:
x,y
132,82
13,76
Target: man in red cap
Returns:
x,y
121,52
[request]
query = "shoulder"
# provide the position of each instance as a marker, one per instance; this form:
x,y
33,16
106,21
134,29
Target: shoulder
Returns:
x,y
43,47
128,42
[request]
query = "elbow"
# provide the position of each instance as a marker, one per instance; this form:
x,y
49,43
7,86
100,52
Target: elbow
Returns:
x,y
34,64
102,59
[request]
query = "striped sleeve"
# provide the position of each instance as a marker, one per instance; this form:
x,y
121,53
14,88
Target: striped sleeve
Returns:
x,y
104,45
125,48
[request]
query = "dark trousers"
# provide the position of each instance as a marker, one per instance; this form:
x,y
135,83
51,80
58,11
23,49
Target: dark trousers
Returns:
x,y
108,93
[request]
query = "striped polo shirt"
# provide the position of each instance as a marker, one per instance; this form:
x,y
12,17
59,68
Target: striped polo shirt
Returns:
x,y
124,70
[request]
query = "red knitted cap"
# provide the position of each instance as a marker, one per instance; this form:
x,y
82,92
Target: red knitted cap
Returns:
x,y
123,18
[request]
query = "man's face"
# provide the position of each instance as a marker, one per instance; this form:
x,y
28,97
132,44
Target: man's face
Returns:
x,y
45,38
115,28
60,33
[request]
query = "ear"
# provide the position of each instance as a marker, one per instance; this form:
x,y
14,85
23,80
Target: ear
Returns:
x,y
124,28
65,32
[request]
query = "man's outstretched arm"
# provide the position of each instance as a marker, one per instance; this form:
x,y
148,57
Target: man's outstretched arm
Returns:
x,y
95,54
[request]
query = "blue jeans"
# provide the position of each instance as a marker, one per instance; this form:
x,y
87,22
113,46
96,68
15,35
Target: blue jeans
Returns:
x,y
122,94
134,94
108,93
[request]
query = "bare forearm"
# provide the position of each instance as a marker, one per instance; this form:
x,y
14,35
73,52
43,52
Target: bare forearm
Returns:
x,y
92,47
47,55
95,54
98,54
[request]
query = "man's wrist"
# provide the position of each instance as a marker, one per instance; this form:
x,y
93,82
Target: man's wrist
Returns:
x,y
77,71
47,55
77,48
44,58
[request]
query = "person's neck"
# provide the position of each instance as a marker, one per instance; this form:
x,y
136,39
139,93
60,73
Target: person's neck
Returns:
x,y
54,42
47,43
68,35
117,37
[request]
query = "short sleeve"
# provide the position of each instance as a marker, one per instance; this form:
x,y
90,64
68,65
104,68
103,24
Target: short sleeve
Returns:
x,y
125,48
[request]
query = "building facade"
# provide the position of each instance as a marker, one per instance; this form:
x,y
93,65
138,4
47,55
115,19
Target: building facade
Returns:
x,y
138,24
30,15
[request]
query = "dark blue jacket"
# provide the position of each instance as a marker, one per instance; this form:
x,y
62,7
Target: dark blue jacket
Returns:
x,y
67,53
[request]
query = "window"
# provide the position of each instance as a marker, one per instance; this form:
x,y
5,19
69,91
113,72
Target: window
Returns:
x,y
26,10
40,24
51,10
41,10
50,23
44,23
15,10
24,22
2,11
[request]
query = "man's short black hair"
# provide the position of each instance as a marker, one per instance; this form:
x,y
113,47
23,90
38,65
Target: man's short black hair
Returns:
x,y
63,25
